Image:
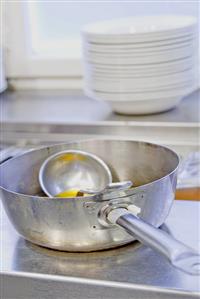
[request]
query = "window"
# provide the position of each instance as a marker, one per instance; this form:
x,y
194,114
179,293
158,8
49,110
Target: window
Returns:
x,y
43,37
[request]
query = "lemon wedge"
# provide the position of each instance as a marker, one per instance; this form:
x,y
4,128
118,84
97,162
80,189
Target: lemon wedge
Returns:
x,y
70,193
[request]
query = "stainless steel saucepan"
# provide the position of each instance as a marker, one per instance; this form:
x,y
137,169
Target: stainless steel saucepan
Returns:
x,y
100,221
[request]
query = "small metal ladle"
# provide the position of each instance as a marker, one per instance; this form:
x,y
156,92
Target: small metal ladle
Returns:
x,y
79,170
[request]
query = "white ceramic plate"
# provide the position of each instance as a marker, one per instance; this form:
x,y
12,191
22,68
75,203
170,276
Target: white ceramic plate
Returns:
x,y
160,38
150,81
141,28
144,107
135,106
136,86
173,92
135,73
140,59
141,79
188,47
135,48
143,68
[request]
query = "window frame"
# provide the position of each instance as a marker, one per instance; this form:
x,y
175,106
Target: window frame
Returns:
x,y
20,63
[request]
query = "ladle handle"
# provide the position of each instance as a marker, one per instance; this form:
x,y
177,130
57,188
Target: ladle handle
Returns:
x,y
177,253
110,187
119,186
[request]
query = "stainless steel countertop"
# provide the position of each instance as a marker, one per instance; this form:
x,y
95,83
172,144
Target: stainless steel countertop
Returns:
x,y
57,116
64,107
133,264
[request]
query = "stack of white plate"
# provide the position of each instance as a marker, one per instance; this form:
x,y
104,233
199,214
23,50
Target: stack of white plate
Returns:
x,y
141,65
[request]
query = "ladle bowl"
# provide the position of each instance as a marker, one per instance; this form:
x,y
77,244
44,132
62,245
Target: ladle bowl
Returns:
x,y
77,170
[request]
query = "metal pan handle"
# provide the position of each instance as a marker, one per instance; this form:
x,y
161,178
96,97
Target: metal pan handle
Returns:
x,y
180,255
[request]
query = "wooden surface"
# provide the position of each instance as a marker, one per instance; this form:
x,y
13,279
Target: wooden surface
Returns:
x,y
188,194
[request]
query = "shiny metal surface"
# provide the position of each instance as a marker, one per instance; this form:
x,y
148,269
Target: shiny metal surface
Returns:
x,y
56,107
124,185
180,134
59,116
73,224
131,271
180,255
73,169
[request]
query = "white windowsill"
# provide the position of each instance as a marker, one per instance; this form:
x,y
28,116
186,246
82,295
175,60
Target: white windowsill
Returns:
x,y
74,83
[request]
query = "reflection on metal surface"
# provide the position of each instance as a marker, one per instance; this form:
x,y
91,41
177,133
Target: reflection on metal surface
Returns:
x,y
73,170
121,264
134,264
152,168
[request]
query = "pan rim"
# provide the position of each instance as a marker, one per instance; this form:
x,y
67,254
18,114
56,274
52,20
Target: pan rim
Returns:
x,y
94,197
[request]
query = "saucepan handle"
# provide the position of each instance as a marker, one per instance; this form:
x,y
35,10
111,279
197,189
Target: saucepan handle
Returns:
x,y
180,255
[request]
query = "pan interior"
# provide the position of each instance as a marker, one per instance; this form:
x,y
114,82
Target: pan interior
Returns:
x,y
140,162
